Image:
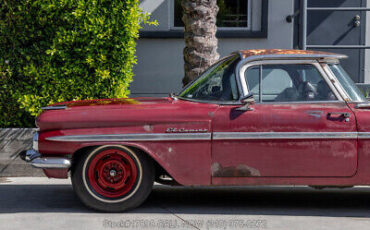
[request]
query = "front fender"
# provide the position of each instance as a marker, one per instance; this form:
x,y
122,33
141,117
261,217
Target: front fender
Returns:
x,y
182,149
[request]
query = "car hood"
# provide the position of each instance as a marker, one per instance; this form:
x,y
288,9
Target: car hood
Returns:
x,y
121,112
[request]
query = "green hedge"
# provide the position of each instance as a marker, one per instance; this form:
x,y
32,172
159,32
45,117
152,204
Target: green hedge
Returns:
x,y
59,50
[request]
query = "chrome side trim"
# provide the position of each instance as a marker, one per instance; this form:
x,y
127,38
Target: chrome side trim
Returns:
x,y
55,107
301,102
363,106
133,137
51,163
283,135
364,135
208,136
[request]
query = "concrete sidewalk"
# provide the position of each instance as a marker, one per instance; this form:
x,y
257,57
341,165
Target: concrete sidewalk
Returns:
x,y
41,203
12,142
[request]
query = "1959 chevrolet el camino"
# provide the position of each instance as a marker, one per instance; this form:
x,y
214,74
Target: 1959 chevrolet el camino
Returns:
x,y
256,117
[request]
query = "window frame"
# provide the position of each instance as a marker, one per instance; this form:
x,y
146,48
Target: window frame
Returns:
x,y
180,28
232,102
238,32
336,82
315,63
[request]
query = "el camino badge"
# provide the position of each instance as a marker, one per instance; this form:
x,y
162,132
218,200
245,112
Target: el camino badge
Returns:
x,y
183,130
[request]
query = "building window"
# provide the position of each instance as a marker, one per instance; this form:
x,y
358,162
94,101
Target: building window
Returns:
x,y
232,14
236,19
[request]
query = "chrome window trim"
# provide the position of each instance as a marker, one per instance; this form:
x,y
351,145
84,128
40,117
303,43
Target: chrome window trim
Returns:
x,y
236,102
233,102
329,81
335,81
208,136
201,74
315,63
281,57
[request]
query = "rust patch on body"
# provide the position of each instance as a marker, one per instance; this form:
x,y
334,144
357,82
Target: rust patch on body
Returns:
x,y
315,114
234,171
256,52
115,101
148,128
112,101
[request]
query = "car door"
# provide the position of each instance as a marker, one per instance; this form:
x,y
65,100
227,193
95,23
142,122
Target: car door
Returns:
x,y
299,126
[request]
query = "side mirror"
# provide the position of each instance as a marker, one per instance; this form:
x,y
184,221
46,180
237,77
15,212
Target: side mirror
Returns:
x,y
246,100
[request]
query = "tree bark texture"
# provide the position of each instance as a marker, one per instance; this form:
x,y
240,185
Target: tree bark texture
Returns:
x,y
200,50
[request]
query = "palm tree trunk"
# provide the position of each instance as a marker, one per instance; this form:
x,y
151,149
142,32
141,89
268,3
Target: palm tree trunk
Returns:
x,y
201,43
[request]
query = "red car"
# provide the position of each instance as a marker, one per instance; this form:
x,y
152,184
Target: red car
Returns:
x,y
256,117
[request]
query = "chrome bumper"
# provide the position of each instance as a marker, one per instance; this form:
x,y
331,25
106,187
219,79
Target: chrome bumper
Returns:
x,y
34,157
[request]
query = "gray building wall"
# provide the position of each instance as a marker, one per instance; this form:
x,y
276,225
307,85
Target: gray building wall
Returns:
x,y
159,70
367,43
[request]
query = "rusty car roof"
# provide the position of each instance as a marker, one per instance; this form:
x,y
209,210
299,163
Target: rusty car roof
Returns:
x,y
286,53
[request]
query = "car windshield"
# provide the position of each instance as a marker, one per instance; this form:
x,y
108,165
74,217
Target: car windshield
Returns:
x,y
347,83
218,83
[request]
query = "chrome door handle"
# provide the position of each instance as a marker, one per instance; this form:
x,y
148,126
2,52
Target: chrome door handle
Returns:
x,y
344,114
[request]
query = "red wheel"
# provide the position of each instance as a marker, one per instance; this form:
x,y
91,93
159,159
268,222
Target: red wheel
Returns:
x,y
112,173
113,178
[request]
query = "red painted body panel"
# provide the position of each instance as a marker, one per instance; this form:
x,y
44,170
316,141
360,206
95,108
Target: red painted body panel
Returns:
x,y
188,162
95,114
301,162
363,125
286,157
361,177
56,173
264,161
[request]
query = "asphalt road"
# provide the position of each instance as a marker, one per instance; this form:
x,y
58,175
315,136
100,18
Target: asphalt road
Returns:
x,y
40,203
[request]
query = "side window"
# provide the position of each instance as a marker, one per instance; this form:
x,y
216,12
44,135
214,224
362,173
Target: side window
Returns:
x,y
287,82
218,83
253,79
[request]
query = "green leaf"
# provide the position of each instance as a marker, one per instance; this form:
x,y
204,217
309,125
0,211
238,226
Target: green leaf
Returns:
x,y
64,50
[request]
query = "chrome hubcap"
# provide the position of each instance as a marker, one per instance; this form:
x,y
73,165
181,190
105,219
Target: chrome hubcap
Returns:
x,y
113,173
